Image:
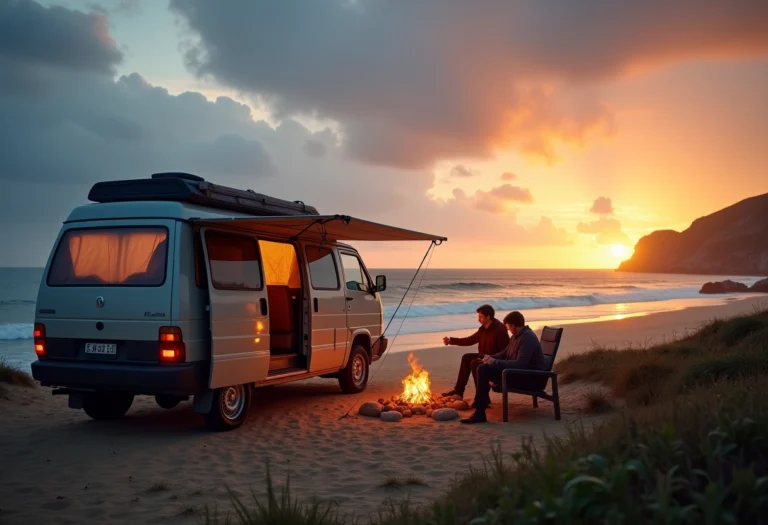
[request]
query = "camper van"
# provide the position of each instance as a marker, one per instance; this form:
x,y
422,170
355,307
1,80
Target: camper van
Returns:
x,y
180,289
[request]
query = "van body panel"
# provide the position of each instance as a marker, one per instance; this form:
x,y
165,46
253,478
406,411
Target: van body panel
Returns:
x,y
239,323
328,325
190,295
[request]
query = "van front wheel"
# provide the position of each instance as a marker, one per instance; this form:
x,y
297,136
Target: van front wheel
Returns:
x,y
229,407
354,377
105,405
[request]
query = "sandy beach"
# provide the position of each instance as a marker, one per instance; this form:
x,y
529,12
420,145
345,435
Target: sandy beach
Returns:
x,y
159,466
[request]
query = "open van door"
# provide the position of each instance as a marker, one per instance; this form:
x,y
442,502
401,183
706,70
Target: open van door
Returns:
x,y
237,308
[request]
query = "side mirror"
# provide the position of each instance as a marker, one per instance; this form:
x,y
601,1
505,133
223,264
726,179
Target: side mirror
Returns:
x,y
381,283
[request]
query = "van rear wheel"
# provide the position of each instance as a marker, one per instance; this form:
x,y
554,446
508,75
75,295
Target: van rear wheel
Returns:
x,y
354,378
229,407
107,405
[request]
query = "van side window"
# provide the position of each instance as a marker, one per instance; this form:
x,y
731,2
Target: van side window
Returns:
x,y
353,273
201,278
322,268
235,261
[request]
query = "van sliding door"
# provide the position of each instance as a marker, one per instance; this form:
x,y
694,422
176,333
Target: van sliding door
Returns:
x,y
238,308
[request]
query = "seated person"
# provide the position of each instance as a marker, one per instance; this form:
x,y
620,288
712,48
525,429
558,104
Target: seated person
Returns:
x,y
522,353
490,338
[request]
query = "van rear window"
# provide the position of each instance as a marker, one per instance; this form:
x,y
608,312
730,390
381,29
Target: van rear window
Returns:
x,y
110,257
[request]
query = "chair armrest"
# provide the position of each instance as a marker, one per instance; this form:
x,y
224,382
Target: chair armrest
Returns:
x,y
543,373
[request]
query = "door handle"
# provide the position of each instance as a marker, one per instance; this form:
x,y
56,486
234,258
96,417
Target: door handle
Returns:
x,y
349,298
263,304
315,303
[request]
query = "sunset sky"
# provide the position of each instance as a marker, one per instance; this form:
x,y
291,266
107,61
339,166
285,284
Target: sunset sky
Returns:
x,y
531,134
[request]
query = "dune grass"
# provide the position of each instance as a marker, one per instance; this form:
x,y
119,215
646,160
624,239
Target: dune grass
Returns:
x,y
395,482
13,375
597,401
690,447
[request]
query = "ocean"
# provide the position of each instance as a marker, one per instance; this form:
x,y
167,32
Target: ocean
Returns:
x,y
443,300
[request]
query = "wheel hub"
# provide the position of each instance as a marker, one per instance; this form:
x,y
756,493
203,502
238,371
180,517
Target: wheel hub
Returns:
x,y
358,370
232,402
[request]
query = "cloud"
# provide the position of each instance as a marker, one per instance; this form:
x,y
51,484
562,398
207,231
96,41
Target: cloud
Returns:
x,y
602,206
496,200
520,76
462,172
33,35
315,148
508,175
606,231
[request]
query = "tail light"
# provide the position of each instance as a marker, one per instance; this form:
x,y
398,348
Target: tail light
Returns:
x,y
39,336
171,347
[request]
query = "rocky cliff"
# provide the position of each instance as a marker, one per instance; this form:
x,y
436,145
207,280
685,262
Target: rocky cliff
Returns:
x,y
732,241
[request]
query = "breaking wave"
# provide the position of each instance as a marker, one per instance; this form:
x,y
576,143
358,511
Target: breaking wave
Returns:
x,y
15,331
532,303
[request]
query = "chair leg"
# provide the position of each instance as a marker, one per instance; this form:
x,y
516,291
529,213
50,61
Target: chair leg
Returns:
x,y
535,402
504,402
556,397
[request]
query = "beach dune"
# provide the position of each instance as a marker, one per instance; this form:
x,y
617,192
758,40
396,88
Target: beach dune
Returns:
x,y
158,465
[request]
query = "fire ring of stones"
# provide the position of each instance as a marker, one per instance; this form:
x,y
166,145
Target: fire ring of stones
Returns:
x,y
394,409
415,400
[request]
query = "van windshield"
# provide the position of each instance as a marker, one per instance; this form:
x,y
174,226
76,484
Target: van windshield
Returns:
x,y
110,257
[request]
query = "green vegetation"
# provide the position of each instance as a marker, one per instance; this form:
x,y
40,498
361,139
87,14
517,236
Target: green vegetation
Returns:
x,y
691,447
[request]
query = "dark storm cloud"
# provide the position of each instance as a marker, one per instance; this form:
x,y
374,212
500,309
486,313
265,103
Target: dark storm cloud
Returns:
x,y
32,34
414,81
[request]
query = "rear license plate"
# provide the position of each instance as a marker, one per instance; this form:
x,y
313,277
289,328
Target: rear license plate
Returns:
x,y
100,348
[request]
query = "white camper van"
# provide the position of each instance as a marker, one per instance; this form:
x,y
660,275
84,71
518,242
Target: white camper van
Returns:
x,y
177,288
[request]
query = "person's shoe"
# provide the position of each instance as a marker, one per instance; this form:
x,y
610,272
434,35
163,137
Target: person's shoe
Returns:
x,y
453,392
472,405
477,417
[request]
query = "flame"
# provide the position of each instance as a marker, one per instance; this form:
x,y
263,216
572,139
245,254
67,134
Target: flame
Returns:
x,y
416,386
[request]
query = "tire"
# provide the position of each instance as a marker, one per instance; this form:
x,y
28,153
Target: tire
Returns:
x,y
354,378
167,402
105,405
229,407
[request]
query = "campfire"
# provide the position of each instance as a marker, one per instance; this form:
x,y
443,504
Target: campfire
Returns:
x,y
416,399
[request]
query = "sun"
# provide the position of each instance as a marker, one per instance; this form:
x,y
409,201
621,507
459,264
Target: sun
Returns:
x,y
620,251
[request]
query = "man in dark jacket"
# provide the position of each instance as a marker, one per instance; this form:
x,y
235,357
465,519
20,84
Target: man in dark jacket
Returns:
x,y
490,339
523,353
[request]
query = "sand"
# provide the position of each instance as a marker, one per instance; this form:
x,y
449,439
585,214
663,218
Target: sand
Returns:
x,y
161,466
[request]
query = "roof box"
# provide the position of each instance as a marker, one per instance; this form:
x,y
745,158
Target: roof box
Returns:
x,y
185,187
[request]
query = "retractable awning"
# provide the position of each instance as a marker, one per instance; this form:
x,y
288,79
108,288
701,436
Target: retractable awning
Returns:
x,y
321,228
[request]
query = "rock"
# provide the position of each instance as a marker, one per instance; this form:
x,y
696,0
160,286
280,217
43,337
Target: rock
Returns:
x,y
370,410
386,408
456,397
418,411
429,412
407,413
445,414
381,401
459,405
760,286
727,286
398,409
435,406
391,417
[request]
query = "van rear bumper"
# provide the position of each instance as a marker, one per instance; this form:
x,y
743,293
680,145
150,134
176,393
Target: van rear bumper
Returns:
x,y
176,380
